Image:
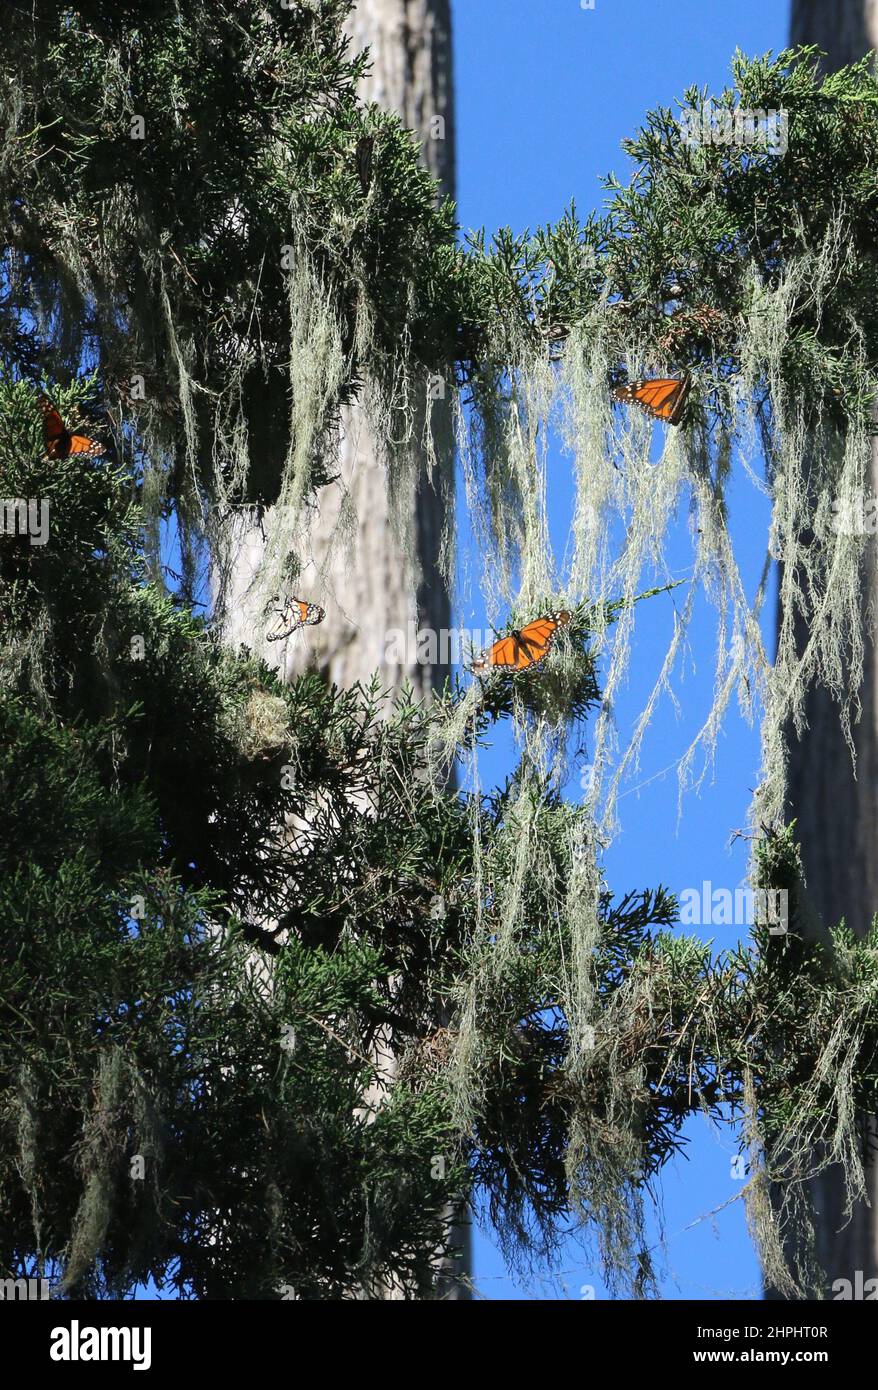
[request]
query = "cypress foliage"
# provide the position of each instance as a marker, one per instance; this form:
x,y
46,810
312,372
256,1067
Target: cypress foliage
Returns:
x,y
222,896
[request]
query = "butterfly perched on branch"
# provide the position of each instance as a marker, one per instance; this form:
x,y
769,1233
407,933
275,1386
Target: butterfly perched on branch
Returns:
x,y
58,442
525,648
365,154
664,398
292,615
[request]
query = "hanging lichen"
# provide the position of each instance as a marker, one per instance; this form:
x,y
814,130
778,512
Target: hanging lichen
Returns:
x,y
232,297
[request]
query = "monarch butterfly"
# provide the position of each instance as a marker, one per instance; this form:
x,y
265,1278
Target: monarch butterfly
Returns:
x,y
58,442
291,616
521,650
365,151
664,398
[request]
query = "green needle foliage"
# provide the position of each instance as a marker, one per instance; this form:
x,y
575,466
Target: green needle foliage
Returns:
x,y
272,993
223,897
220,893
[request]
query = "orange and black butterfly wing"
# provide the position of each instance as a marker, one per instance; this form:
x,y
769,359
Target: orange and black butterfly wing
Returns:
x,y
56,439
309,613
498,654
505,653
676,403
295,614
58,442
289,619
537,637
534,642
664,398
79,444
526,648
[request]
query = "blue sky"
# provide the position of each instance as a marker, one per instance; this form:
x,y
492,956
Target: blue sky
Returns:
x,y
545,92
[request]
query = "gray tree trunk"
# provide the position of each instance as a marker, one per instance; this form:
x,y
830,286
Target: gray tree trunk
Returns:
x,y
389,582
394,582
836,808
382,579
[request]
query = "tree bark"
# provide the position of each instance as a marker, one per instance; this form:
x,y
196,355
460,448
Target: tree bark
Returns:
x,y
390,582
844,29
836,805
382,579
